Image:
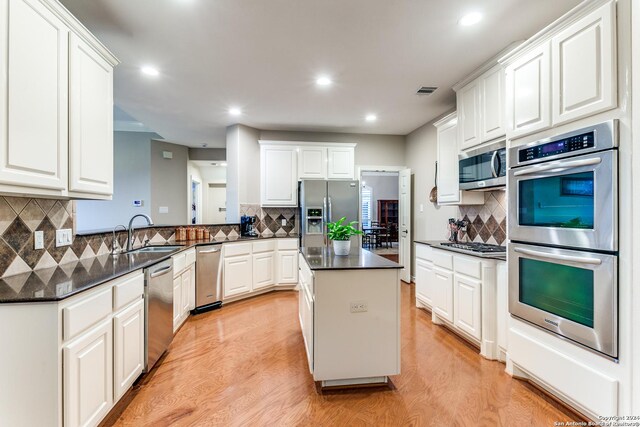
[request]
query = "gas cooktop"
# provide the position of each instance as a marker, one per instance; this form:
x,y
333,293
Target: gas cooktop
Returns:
x,y
478,249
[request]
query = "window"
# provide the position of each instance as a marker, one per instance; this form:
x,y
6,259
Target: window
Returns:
x,y
366,206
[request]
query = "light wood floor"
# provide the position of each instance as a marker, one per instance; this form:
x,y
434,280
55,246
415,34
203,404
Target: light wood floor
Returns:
x,y
246,365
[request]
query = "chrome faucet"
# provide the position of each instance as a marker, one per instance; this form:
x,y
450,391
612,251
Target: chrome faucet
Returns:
x,y
131,229
115,245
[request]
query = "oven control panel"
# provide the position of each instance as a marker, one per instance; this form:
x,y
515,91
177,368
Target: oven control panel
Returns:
x,y
574,143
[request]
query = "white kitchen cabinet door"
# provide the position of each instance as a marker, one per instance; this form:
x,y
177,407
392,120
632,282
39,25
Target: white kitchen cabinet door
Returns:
x,y
312,163
340,162
492,102
264,270
88,376
177,302
502,305
584,66
467,313
128,347
238,275
192,288
186,288
448,179
33,96
528,89
468,102
287,267
279,178
442,293
424,281
90,120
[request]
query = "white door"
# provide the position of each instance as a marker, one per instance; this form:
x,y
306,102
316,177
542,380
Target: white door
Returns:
x,y
467,312
90,120
492,100
192,288
279,183
340,163
404,227
528,89
442,293
424,281
34,105
312,163
186,288
177,302
238,275
584,66
88,376
216,212
468,101
128,347
448,177
288,267
263,270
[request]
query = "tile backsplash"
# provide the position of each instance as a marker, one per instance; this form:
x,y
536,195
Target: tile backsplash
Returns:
x,y
20,217
269,220
488,222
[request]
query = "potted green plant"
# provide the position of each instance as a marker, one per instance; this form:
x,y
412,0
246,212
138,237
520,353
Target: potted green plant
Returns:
x,y
341,234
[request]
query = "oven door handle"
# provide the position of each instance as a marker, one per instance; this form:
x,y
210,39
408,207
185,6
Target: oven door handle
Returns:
x,y
558,257
559,166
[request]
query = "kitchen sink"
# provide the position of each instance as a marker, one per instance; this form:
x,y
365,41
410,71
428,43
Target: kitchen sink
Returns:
x,y
155,249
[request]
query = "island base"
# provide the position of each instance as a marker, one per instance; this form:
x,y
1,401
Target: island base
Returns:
x,y
355,382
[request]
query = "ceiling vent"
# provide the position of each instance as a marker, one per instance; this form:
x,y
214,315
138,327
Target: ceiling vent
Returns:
x,y
426,90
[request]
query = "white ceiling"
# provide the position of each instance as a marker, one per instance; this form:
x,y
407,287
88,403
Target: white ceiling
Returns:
x,y
264,55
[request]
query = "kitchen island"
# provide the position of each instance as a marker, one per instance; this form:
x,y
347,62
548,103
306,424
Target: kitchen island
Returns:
x,y
349,309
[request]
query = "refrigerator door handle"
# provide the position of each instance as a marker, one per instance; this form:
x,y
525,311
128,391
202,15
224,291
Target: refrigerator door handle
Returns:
x,y
330,216
324,220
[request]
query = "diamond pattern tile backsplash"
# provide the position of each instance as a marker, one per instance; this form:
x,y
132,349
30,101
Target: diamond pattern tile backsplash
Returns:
x,y
488,222
20,217
269,220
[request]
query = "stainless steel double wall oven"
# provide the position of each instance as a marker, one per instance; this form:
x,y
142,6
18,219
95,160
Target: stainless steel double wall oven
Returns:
x,y
563,229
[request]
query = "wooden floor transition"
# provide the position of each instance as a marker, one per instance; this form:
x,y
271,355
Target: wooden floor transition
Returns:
x,y
245,365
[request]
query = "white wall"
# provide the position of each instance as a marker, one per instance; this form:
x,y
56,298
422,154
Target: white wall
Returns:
x,y
421,152
131,181
243,169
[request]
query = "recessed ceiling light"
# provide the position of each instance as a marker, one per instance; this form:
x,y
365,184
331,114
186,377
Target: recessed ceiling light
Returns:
x,y
470,19
150,71
323,81
371,117
235,111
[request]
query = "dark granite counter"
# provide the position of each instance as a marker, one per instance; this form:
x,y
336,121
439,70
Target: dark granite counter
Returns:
x,y
325,259
437,244
65,280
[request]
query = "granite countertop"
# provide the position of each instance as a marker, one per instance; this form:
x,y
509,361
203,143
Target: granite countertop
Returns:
x,y
325,259
437,244
66,280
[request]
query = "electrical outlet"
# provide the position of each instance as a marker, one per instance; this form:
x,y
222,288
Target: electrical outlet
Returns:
x,y
284,222
38,240
359,307
63,237
163,209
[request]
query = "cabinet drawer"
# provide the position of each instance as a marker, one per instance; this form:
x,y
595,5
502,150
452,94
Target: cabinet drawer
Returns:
x,y
179,263
237,249
128,290
190,257
285,244
468,266
265,246
85,313
423,251
442,259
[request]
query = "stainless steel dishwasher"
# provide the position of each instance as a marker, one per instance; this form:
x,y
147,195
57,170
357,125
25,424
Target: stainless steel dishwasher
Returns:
x,y
158,321
208,278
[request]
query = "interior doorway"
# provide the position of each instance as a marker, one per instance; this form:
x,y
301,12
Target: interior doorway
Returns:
x,y
196,202
217,204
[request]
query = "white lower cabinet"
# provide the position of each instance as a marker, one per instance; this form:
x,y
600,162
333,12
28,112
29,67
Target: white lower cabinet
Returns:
x,y
424,282
238,275
263,270
128,348
468,305
177,302
88,376
184,291
287,266
443,293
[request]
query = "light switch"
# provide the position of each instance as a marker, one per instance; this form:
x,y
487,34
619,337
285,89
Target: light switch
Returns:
x,y
284,222
421,207
163,209
63,237
38,240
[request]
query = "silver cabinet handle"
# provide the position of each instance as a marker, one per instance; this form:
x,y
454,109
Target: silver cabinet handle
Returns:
x,y
161,272
493,162
211,251
558,257
560,166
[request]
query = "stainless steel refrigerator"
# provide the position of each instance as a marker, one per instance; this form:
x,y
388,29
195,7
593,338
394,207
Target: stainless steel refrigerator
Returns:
x,y
326,201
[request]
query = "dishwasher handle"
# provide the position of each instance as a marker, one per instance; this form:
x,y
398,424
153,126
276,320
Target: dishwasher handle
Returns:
x,y
161,271
210,251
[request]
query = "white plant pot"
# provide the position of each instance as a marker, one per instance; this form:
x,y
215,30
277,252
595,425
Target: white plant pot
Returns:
x,y
341,247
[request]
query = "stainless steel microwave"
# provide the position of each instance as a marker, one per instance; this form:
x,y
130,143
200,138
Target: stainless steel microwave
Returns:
x,y
484,168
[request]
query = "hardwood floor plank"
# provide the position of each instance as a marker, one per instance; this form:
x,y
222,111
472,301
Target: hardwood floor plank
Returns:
x,y
246,365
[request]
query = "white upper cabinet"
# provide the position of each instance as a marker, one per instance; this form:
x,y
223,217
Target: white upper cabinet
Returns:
x,y
340,162
56,104
528,88
492,104
312,162
584,66
278,175
90,120
468,102
33,97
